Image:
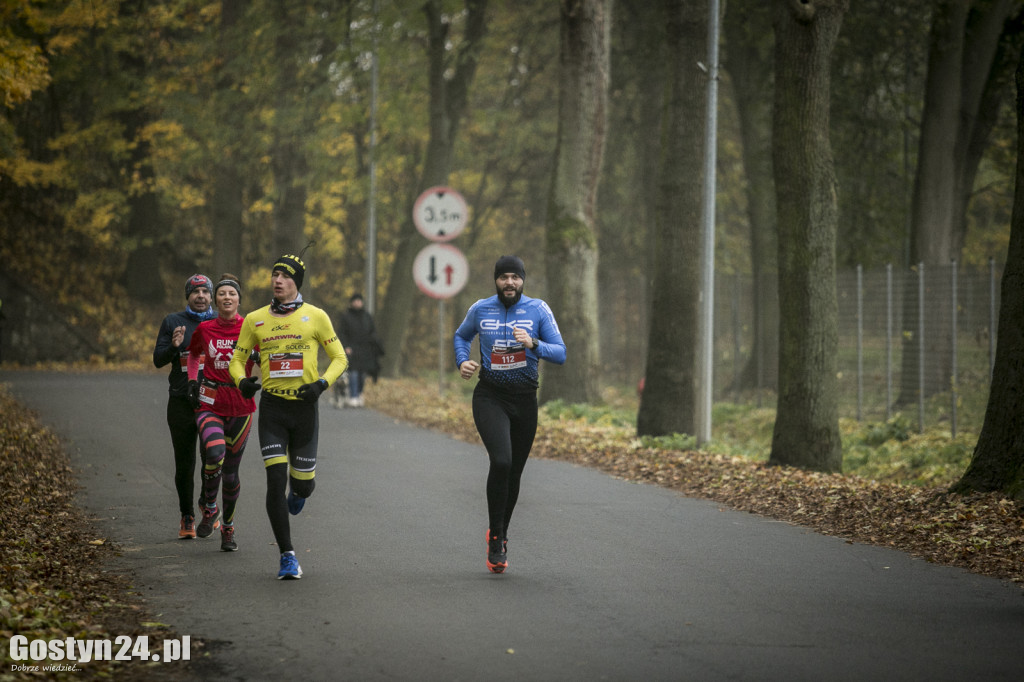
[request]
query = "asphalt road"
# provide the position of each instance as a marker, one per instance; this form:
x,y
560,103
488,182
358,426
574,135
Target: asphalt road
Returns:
x,y
608,580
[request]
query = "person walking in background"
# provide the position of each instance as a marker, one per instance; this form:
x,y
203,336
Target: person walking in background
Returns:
x,y
222,414
358,335
516,332
289,333
172,343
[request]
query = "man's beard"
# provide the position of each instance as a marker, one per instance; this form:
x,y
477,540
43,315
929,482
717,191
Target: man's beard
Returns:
x,y
509,301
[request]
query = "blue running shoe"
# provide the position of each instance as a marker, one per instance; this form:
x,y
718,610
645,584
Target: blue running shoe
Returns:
x,y
290,569
295,503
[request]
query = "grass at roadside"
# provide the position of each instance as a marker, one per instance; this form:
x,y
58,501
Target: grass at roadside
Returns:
x,y
898,500
890,451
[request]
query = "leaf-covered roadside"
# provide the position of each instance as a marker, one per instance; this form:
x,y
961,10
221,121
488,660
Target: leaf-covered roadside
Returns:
x,y
983,533
52,579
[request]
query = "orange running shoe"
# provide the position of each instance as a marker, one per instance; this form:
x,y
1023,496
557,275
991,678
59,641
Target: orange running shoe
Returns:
x,y
497,560
188,527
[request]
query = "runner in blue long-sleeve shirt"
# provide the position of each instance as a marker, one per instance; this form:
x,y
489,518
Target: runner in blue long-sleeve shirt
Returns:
x,y
516,332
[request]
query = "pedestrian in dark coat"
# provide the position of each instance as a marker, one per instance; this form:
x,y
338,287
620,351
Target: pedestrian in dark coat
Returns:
x,y
358,335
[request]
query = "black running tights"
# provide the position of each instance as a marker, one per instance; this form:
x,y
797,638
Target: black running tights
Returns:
x,y
181,420
507,423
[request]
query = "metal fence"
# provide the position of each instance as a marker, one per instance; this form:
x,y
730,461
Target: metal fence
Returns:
x,y
915,341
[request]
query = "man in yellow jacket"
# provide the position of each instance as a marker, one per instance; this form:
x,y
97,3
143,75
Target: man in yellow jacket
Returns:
x,y
288,334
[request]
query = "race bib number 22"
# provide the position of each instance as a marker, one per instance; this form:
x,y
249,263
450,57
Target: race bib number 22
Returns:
x,y
285,365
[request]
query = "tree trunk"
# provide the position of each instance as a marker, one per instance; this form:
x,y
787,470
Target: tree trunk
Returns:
x,y
228,228
998,461
669,399
748,61
962,55
806,430
633,153
447,107
142,275
227,204
289,168
993,49
288,160
571,236
932,203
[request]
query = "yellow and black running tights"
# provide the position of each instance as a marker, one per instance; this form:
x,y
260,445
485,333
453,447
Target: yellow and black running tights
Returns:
x,y
288,431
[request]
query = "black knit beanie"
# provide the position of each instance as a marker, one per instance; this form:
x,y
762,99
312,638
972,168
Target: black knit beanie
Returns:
x,y
513,264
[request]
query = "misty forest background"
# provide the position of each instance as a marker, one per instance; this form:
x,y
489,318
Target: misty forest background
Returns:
x,y
143,141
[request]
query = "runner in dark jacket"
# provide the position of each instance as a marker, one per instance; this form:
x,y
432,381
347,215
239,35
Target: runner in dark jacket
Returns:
x,y
172,348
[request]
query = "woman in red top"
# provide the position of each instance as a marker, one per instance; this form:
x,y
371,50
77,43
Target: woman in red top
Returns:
x,y
223,415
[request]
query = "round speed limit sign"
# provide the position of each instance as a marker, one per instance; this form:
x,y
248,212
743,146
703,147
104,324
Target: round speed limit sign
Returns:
x,y
440,214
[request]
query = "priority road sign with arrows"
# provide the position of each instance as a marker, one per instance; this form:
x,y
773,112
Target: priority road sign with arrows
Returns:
x,y
440,270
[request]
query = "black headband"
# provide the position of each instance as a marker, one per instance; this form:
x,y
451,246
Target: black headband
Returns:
x,y
228,283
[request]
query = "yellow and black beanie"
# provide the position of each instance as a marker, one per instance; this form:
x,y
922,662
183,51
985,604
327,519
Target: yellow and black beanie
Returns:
x,y
291,266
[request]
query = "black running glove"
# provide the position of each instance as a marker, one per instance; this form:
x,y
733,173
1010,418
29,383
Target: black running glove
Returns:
x,y
248,386
311,392
193,394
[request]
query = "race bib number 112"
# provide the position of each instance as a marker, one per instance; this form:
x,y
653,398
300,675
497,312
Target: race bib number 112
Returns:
x,y
509,359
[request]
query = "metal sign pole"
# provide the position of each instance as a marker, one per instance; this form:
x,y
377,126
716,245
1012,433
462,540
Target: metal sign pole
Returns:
x,y
440,347
371,224
708,275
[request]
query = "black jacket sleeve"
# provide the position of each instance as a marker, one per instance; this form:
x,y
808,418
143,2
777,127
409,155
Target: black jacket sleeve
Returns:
x,y
165,352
